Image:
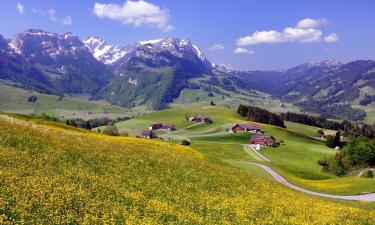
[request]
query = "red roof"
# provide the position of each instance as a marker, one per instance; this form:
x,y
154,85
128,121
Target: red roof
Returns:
x,y
259,138
246,126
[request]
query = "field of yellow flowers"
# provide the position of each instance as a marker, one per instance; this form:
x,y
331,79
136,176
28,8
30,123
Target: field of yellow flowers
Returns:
x,y
53,175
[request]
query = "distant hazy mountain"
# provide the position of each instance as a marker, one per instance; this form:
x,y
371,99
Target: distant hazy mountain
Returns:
x,y
327,87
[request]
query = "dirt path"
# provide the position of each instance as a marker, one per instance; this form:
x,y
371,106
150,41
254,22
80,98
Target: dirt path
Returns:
x,y
364,197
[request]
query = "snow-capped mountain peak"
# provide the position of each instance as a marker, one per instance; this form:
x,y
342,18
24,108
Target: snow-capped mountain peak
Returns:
x,y
108,54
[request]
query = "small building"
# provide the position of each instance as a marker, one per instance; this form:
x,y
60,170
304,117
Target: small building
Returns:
x,y
169,127
262,140
207,120
196,118
148,134
244,127
156,126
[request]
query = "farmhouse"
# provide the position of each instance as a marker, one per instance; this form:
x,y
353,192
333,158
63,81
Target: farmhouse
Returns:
x,y
243,127
196,118
207,120
169,127
148,134
156,126
262,140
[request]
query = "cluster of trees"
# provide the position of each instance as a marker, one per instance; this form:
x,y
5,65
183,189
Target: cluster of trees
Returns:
x,y
333,141
359,153
93,123
260,115
347,128
311,120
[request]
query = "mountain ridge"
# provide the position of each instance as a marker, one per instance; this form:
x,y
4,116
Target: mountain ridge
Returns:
x,y
155,72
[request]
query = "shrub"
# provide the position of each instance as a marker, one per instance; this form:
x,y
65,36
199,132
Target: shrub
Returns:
x,y
330,141
185,142
111,130
323,162
368,174
32,99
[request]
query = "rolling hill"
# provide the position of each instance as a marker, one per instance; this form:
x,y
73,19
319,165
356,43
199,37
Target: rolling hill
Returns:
x,y
56,174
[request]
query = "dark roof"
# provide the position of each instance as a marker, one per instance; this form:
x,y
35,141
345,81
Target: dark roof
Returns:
x,y
147,133
157,125
248,126
259,138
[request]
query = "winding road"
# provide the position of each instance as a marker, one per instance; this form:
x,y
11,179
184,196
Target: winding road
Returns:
x,y
363,197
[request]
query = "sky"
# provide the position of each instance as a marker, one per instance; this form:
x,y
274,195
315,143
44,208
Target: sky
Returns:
x,y
240,34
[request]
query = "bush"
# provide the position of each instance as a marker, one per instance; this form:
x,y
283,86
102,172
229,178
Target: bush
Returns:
x,y
330,141
32,99
323,162
111,130
368,174
185,142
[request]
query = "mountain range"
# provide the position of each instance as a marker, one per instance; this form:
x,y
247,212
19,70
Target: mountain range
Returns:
x,y
157,72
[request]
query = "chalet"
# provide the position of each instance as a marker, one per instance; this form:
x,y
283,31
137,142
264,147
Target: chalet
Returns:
x,y
244,127
262,140
169,127
156,126
196,118
148,134
207,120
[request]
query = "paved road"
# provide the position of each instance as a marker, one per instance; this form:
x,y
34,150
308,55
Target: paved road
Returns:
x,y
280,179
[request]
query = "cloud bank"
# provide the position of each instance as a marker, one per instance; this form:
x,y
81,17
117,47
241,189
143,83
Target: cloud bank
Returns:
x,y
306,31
136,13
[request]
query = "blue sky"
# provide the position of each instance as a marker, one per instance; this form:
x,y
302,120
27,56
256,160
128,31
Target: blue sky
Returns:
x,y
242,34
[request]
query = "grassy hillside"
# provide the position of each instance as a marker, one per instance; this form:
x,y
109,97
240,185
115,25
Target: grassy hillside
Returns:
x,y
15,100
56,175
296,158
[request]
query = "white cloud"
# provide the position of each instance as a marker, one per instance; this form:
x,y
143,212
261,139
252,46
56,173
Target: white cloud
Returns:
x,y
311,23
331,38
52,14
20,8
306,31
243,51
67,21
216,47
136,13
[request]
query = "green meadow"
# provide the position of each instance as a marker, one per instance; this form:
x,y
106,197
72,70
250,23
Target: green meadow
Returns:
x,y
296,158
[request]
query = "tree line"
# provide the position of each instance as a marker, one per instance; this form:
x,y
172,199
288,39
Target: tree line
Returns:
x,y
260,115
93,123
347,128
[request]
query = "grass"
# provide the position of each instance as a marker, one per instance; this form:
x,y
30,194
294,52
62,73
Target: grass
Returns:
x,y
306,130
296,158
237,138
53,175
15,100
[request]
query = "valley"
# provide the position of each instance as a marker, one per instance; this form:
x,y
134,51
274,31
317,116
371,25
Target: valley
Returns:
x,y
295,159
